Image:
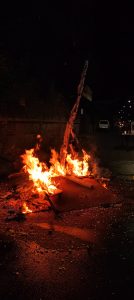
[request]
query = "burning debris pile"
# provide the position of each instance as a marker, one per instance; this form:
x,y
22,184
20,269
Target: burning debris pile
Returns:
x,y
37,186
44,177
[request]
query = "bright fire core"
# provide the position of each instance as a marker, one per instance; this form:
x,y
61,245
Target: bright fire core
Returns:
x,y
43,177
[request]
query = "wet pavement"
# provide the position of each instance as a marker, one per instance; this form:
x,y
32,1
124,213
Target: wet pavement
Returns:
x,y
82,252
115,152
85,251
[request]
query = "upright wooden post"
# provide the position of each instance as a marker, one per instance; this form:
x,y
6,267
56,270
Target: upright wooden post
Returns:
x,y
70,123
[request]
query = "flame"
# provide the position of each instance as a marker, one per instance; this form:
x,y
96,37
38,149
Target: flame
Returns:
x,y
56,167
38,172
79,167
104,185
43,177
25,209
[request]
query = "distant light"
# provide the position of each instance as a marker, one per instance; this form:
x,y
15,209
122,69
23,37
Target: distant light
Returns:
x,y
129,101
82,111
130,106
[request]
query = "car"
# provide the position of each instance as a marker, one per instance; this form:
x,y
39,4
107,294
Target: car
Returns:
x,y
104,124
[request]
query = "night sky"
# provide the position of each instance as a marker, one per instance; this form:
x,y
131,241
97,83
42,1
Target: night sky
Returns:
x,y
49,43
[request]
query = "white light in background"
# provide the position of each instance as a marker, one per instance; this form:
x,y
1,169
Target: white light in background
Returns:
x,y
82,111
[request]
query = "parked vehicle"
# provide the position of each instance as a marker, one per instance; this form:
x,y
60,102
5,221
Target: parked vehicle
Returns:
x,y
104,124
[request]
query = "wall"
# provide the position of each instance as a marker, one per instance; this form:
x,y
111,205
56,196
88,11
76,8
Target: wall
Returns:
x,y
16,135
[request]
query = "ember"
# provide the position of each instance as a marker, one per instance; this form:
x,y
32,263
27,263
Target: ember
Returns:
x,y
104,185
25,209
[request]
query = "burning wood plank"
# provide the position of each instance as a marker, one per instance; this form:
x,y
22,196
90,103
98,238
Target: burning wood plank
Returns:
x,y
83,181
88,182
70,123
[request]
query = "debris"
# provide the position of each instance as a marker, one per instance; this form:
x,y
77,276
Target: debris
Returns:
x,y
11,231
83,181
6,195
17,217
51,203
106,205
11,211
17,273
117,205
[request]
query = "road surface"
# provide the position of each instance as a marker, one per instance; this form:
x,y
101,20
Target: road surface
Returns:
x,y
82,252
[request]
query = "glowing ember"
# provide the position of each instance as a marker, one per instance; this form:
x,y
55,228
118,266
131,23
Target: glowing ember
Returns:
x,y
104,185
25,209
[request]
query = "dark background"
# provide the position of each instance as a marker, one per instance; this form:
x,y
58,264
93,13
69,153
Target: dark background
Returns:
x,y
46,44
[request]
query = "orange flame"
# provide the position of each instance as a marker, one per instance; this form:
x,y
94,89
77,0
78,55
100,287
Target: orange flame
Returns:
x,y
56,167
43,177
38,172
104,185
79,167
25,209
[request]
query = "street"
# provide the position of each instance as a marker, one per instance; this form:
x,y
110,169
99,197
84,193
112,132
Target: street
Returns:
x,y
86,250
112,150
67,151
80,252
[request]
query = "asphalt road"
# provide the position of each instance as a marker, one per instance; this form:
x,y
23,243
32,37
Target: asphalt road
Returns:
x,y
85,251
112,150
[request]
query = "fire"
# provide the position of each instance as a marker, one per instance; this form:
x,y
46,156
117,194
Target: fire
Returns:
x,y
65,163
25,209
38,172
43,177
79,167
57,168
104,185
